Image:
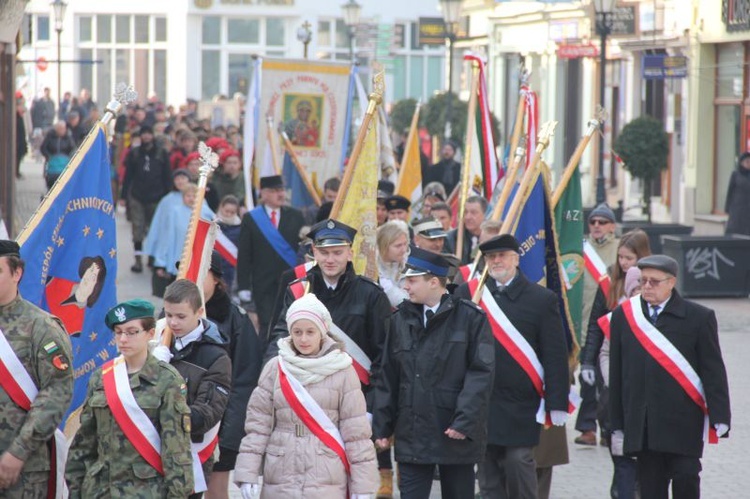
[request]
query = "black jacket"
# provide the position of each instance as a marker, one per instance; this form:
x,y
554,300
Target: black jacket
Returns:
x,y
451,242
534,311
358,306
53,144
737,205
646,402
246,352
594,335
207,371
259,266
432,379
148,176
446,171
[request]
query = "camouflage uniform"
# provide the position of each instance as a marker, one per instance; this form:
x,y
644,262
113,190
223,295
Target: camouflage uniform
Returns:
x,y
43,347
103,463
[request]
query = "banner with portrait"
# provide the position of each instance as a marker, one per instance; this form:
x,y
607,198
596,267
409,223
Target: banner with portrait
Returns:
x,y
308,100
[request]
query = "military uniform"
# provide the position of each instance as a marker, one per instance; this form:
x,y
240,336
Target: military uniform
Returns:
x,y
43,347
103,463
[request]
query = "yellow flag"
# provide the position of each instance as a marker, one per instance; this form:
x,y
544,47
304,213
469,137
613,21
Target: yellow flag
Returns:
x,y
410,177
360,204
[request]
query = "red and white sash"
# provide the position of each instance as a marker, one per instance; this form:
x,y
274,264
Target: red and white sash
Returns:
x,y
603,323
361,362
311,414
20,387
201,452
666,354
596,267
467,271
226,248
302,269
516,345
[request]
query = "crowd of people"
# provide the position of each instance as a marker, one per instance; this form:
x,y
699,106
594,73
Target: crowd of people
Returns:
x,y
310,380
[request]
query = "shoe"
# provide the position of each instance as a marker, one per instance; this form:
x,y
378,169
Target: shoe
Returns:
x,y
386,484
586,438
604,441
138,266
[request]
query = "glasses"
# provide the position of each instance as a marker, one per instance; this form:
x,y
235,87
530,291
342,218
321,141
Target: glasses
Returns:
x,y
599,222
129,333
653,282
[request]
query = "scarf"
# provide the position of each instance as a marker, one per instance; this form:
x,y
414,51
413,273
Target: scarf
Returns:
x,y
309,370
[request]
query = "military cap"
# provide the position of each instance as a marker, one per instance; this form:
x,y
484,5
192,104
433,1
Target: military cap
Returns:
x,y
397,203
272,182
659,262
603,211
385,189
503,242
429,228
331,233
9,248
423,262
128,311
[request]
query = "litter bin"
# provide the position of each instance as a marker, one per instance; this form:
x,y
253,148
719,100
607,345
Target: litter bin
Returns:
x,y
655,232
711,266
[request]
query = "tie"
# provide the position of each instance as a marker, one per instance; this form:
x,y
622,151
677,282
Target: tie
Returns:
x,y
428,316
273,219
654,313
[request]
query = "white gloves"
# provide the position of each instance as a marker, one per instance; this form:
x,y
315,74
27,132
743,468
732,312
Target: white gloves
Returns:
x,y
588,375
162,353
721,429
616,442
558,417
245,295
250,490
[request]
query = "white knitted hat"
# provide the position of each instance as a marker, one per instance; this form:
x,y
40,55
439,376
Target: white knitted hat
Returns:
x,y
309,307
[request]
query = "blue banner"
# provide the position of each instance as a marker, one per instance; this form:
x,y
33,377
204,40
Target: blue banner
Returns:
x,y
300,197
70,251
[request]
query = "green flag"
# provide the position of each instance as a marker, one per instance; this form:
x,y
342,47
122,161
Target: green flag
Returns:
x,y
569,224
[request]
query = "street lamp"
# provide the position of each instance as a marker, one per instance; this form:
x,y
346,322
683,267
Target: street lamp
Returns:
x,y
352,11
603,10
58,6
304,35
451,11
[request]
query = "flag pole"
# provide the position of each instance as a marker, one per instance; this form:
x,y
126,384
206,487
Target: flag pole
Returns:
x,y
376,97
411,137
300,169
545,134
124,95
272,144
466,171
520,110
593,125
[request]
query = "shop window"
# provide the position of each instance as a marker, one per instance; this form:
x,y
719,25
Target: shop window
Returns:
x,y
141,29
104,29
161,29
243,31
84,29
122,29
730,62
160,73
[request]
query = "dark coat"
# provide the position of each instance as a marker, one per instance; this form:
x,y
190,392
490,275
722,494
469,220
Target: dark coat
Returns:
x,y
646,402
147,174
53,144
21,146
446,171
451,242
246,352
738,202
42,113
358,306
594,334
432,379
259,266
534,311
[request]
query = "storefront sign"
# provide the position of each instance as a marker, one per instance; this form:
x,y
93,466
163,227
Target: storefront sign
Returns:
x,y
577,51
207,4
660,67
736,14
624,20
432,31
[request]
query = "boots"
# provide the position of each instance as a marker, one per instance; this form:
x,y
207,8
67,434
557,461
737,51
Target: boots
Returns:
x,y
138,267
386,484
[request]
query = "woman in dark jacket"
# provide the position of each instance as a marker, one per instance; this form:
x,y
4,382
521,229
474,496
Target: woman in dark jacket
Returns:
x,y
57,148
738,198
246,352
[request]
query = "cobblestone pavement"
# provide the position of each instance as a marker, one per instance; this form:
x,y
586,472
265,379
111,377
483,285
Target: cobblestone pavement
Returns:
x,y
590,470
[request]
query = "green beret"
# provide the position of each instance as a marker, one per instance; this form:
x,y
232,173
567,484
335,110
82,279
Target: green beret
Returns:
x,y
127,311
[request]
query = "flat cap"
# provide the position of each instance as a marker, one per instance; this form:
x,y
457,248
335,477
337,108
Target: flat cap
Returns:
x,y
429,228
503,242
423,262
397,203
9,248
272,182
603,211
128,311
331,233
659,262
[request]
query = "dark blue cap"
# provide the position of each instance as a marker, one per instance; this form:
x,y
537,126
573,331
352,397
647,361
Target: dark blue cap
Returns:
x,y
422,262
397,202
503,242
331,233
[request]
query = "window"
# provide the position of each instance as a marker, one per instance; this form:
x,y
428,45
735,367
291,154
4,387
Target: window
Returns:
x,y
122,29
275,31
160,73
416,76
26,29
342,34
212,30
730,64
84,29
141,29
324,33
243,31
103,79
161,29
104,29
211,70
42,28
239,73
86,71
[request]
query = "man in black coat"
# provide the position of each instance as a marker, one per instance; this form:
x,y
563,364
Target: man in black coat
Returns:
x,y
432,389
508,469
269,238
447,171
476,207
653,417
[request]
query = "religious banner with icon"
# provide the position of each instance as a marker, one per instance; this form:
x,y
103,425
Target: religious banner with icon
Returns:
x,y
308,100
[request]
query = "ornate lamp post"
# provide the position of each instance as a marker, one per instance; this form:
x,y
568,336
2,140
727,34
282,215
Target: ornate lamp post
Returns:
x,y
58,6
451,11
304,35
603,10
352,11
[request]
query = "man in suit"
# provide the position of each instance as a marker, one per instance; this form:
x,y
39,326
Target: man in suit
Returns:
x,y
269,237
525,318
476,207
652,414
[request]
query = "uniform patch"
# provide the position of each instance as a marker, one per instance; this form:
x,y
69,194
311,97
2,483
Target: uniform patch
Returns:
x,y
221,389
59,362
186,423
51,348
183,389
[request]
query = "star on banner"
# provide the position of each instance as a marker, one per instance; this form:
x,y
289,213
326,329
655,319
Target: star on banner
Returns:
x,y
112,253
100,233
86,231
92,336
60,241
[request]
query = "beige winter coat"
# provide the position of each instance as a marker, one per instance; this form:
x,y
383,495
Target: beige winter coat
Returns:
x,y
297,464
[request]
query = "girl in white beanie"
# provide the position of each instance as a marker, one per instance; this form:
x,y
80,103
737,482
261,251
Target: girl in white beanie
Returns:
x,y
297,462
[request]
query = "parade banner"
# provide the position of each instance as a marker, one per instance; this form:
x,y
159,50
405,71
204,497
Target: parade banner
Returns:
x,y
308,100
70,250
